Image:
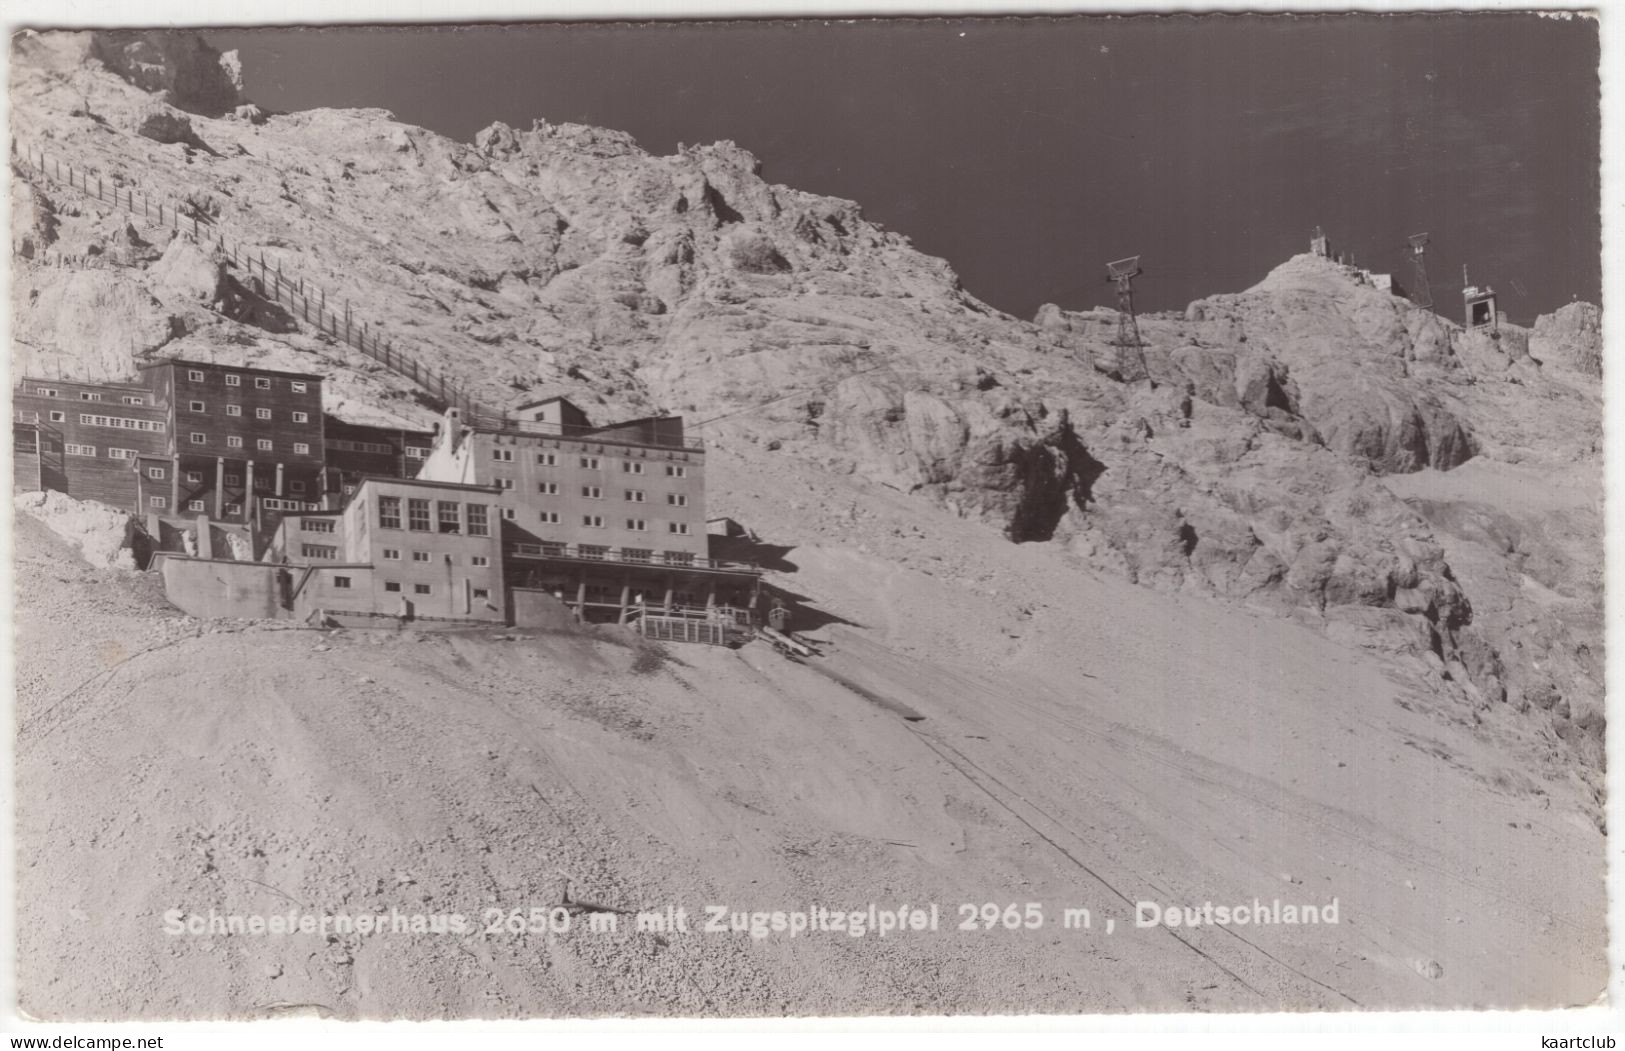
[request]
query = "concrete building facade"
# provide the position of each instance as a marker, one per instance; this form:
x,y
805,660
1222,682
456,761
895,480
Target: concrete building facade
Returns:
x,y
610,520
427,549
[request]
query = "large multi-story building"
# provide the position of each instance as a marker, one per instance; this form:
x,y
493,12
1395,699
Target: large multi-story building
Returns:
x,y
87,439
189,438
241,441
610,519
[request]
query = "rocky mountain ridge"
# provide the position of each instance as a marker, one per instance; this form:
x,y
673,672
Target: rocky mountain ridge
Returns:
x,y
1263,448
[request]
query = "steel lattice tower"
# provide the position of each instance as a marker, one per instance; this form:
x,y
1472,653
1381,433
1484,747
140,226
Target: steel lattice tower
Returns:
x,y
1122,273
1421,295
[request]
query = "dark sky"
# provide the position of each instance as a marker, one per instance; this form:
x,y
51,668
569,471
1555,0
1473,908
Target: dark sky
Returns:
x,y
1028,152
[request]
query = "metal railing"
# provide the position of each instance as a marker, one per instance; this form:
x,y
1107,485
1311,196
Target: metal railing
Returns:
x,y
636,557
305,301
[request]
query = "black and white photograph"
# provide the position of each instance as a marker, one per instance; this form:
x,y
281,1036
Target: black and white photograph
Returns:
x,y
795,518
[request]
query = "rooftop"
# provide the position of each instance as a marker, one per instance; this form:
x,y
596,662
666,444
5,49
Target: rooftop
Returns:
x,y
216,366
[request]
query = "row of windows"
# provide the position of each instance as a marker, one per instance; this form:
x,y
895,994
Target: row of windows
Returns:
x,y
640,525
394,586
260,382
264,445
345,445
589,463
259,414
86,395
114,421
393,554
449,516
600,551
596,492
263,482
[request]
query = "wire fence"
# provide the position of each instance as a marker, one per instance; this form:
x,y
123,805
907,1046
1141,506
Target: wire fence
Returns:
x,y
265,276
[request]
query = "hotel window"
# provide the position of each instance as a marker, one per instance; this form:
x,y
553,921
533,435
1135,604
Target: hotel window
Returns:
x,y
234,410
680,528
478,523
233,380
59,417
234,442
194,505
157,501
592,492
197,406
636,554
316,525
420,556
263,445
318,551
301,448
392,554
234,479
296,486
679,558
508,513
637,524
484,593
631,467
234,509
134,399
392,585
547,459
590,463
505,483
261,383
637,496
86,395
301,417
676,472
677,499
478,560
156,473
87,450
121,454
199,438
262,414
49,392
194,477
297,386
341,582
389,512
262,484
597,551
502,455
349,490
550,517
594,521
416,452
422,589
417,515
447,514
548,488
195,375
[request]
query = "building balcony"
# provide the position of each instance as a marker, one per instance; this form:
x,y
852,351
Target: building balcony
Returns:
x,y
630,557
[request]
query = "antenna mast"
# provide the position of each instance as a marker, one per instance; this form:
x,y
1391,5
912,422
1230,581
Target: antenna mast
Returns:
x,y
1421,295
1122,273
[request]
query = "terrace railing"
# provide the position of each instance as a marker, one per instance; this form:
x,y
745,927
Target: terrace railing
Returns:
x,y
637,557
